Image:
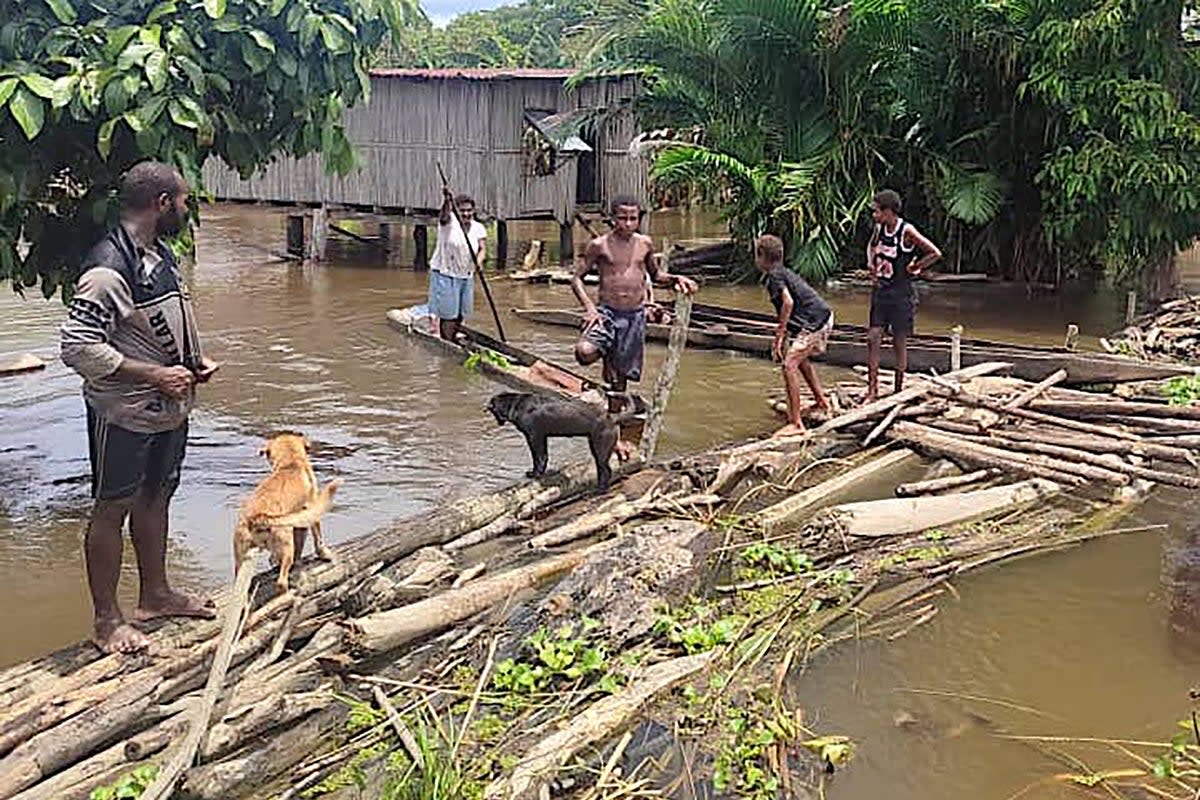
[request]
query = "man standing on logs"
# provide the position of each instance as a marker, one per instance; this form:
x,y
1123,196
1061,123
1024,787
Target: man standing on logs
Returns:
x,y
131,333
615,329
893,262
451,271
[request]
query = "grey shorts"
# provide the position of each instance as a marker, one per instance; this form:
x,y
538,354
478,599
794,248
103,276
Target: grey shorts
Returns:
x,y
620,336
124,461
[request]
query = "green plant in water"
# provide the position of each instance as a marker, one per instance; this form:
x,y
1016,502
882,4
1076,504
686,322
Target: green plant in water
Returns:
x,y
773,561
129,786
349,774
441,778
563,654
934,553
695,631
475,361
1183,390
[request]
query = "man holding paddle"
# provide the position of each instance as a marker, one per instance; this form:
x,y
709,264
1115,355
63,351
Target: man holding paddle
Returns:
x,y
452,268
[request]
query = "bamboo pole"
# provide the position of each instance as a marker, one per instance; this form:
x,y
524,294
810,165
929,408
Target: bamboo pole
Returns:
x,y
231,628
666,378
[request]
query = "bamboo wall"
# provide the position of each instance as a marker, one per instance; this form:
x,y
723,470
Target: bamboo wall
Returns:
x,y
473,125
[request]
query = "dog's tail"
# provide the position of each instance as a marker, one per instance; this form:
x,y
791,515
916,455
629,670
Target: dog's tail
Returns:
x,y
308,515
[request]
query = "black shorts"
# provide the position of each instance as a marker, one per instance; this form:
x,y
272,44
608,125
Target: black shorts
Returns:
x,y
895,313
124,461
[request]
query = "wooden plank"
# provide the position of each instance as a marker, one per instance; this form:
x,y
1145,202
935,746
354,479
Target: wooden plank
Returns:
x,y
896,516
789,511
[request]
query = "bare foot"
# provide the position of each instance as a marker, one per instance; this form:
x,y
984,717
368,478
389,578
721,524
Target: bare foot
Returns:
x,y
118,636
324,553
175,604
791,429
624,450
869,397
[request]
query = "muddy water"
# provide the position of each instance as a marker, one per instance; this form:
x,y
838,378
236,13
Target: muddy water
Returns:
x,y
1083,634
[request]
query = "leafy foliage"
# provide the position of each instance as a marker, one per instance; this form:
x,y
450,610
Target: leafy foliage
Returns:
x,y
88,88
1032,134
128,787
562,655
533,33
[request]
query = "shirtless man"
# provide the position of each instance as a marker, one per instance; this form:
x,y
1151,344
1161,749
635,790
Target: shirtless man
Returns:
x,y
615,329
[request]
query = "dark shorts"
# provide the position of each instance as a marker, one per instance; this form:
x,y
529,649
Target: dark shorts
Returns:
x,y
124,461
895,313
620,336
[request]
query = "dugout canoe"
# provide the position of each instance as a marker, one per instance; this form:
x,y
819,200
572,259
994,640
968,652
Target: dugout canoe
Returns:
x,y
504,363
722,328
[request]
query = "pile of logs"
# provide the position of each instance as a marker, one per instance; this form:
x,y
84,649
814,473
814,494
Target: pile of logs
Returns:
x,y
1172,331
412,600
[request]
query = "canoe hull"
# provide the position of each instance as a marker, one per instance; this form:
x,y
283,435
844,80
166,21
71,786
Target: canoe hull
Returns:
x,y
729,329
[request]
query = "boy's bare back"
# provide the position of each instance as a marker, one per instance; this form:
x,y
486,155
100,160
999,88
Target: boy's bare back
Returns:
x,y
623,264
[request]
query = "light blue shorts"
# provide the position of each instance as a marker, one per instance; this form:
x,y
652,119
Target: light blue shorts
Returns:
x,y
450,297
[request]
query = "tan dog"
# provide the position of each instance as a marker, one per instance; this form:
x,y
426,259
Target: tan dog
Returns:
x,y
282,505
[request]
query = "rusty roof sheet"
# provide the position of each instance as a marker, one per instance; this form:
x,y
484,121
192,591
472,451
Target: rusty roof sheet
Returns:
x,y
475,74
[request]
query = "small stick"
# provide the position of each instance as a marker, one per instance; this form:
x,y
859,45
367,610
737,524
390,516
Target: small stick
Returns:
x,y
956,348
406,736
884,424
483,676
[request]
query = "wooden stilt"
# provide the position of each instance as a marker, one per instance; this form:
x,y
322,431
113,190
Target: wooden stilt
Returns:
x,y
295,234
421,239
501,244
320,233
566,244
385,235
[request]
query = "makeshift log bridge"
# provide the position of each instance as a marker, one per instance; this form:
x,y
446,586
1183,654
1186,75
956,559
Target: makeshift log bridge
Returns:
x,y
410,651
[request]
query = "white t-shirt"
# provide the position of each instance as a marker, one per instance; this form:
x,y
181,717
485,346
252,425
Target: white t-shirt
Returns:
x,y
451,256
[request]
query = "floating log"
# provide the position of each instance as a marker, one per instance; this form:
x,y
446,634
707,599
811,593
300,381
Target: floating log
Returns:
x,y
596,723
615,513
918,488
1115,408
16,365
1098,444
960,449
387,630
789,511
898,516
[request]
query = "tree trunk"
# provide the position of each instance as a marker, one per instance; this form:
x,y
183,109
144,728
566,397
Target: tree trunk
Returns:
x,y
1162,280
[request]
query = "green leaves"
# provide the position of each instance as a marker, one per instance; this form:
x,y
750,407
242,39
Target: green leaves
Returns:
x,y
63,11
28,110
86,88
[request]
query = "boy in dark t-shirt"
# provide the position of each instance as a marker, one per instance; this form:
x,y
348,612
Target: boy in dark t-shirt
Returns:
x,y
806,318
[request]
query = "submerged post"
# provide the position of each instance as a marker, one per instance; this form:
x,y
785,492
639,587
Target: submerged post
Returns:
x,y
385,235
295,235
566,244
956,348
666,378
501,245
1072,340
421,240
320,233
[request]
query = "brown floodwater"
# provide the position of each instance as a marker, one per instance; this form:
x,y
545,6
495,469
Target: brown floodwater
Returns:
x,y
1084,635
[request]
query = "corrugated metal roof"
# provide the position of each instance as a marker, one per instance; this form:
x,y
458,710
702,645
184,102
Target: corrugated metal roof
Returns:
x,y
475,74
